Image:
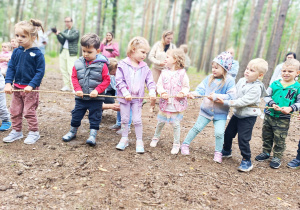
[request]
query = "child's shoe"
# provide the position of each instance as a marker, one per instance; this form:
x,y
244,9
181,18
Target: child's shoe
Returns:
x,y
185,149
123,143
245,166
175,149
115,127
154,142
6,125
262,157
119,132
218,157
13,136
294,164
226,154
70,135
140,146
275,162
92,139
32,137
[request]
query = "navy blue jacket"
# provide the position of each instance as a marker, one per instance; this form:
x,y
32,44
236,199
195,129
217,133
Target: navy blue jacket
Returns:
x,y
26,67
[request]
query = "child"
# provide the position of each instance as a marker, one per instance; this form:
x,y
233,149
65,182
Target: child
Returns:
x,y
173,81
25,71
295,163
132,74
218,84
5,56
187,62
112,67
249,91
14,43
284,98
89,76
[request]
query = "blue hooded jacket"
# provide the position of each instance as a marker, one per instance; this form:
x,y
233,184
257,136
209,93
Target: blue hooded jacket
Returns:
x,y
26,67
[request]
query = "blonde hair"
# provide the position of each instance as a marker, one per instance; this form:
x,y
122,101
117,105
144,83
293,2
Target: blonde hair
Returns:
x,y
292,62
137,43
212,78
179,56
259,65
8,44
184,47
31,27
164,35
113,64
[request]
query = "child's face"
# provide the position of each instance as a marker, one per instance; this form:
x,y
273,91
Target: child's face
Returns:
x,y
14,43
139,54
170,61
217,70
23,39
5,48
89,53
252,74
288,73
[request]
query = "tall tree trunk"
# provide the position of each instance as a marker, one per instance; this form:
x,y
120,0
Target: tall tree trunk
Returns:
x,y
289,45
114,16
209,6
156,21
147,19
143,20
17,11
273,28
250,40
222,45
46,15
83,17
174,15
276,41
152,23
262,39
168,15
99,17
211,46
132,22
22,10
298,47
104,17
184,22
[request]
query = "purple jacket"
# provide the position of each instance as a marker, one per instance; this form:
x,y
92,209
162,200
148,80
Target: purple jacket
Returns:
x,y
123,80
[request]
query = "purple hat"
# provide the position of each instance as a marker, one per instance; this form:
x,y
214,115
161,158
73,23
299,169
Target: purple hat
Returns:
x,y
225,60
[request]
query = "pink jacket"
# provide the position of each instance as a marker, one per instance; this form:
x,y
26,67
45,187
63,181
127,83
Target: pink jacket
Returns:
x,y
172,84
131,81
8,54
110,54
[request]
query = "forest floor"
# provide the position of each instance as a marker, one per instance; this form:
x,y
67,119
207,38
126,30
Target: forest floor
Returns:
x,y
52,174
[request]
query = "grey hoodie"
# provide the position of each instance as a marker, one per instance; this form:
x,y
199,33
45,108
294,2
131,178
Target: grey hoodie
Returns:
x,y
248,94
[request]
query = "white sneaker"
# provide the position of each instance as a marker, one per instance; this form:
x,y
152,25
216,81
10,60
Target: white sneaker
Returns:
x,y
13,136
175,149
32,137
154,142
65,88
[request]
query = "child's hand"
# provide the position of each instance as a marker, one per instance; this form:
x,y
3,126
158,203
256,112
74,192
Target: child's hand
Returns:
x,y
115,107
8,88
286,110
79,93
180,95
211,96
28,89
94,94
219,100
128,97
153,98
163,63
276,107
165,96
190,95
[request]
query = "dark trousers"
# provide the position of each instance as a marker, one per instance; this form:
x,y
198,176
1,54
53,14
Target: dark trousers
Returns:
x,y
243,127
95,112
298,151
110,100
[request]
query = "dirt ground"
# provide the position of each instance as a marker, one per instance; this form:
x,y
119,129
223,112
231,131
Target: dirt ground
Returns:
x,y
52,174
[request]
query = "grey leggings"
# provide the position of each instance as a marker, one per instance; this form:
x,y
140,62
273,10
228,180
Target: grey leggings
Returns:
x,y
176,127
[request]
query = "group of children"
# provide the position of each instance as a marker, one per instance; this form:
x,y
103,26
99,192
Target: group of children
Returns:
x,y
90,75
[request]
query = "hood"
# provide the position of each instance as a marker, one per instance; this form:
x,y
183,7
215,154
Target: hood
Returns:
x,y
128,62
32,49
262,87
101,58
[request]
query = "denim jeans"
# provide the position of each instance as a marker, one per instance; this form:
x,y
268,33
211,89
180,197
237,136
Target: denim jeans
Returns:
x,y
198,127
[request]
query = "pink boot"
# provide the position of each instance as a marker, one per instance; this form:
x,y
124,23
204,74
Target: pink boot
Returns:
x,y
218,157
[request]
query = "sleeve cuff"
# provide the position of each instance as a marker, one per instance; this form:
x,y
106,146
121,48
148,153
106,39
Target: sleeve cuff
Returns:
x,y
152,92
226,103
125,92
271,103
32,85
294,108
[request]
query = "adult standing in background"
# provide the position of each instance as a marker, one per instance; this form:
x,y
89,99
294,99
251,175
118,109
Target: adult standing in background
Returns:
x,y
41,41
109,47
68,52
277,72
235,64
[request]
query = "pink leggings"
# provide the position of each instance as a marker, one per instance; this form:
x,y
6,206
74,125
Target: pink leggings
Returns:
x,y
136,107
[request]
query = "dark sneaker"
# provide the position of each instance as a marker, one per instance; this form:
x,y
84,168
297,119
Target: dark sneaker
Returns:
x,y
275,162
115,127
226,154
70,135
245,166
262,157
6,125
295,164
